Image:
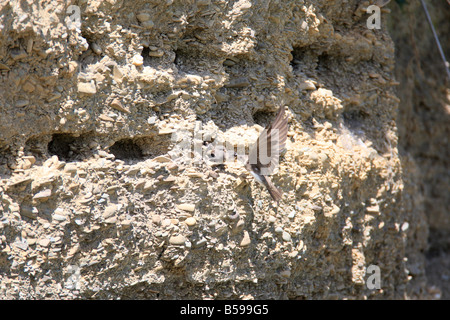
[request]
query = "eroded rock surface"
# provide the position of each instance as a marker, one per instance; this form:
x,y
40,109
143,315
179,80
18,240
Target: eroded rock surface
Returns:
x,y
98,199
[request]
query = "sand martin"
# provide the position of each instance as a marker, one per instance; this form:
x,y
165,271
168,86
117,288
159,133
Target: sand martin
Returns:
x,y
264,154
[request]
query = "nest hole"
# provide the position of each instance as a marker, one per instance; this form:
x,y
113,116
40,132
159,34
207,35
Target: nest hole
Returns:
x,y
70,147
263,118
140,148
126,149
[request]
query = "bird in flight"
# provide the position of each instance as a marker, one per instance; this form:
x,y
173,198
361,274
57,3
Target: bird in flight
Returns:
x,y
264,154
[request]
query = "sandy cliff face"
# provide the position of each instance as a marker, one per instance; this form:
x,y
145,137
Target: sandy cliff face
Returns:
x,y
100,100
423,122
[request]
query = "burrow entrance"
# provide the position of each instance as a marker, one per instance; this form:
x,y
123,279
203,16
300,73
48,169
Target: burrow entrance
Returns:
x,y
139,148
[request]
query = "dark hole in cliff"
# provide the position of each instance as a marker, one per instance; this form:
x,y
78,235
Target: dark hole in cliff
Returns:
x,y
188,59
145,52
146,56
324,61
178,61
185,60
263,118
126,149
141,147
305,60
4,150
7,160
297,57
70,147
60,145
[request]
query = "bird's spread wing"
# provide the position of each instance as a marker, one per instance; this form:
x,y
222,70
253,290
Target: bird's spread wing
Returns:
x,y
277,130
280,124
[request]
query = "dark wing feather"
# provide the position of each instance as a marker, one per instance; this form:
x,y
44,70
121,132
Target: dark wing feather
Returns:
x,y
280,124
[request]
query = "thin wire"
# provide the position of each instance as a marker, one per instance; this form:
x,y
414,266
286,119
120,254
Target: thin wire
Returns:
x,y
446,64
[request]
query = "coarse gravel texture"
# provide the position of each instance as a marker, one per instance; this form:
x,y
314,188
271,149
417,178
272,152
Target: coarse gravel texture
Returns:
x,y
100,200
